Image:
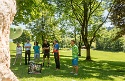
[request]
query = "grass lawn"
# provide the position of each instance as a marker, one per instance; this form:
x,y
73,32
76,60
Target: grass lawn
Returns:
x,y
106,66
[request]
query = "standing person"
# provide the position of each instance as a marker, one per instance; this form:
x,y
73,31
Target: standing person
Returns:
x,y
74,57
36,51
27,51
46,51
56,54
18,53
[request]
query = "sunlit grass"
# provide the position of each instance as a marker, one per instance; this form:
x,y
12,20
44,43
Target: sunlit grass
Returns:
x,y
106,66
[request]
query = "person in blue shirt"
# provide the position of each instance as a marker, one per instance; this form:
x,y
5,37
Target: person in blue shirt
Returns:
x,y
36,51
56,54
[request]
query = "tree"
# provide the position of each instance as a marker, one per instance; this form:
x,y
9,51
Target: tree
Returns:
x,y
28,10
86,11
38,15
44,27
104,42
117,17
89,15
23,38
69,27
77,34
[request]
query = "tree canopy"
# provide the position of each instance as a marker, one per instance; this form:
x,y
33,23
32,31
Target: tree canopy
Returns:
x,y
29,10
117,17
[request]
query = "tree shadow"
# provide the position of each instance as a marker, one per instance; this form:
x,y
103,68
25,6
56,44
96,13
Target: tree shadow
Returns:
x,y
102,70
115,52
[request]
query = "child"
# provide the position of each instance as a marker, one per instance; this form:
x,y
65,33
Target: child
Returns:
x,y
75,52
18,53
36,51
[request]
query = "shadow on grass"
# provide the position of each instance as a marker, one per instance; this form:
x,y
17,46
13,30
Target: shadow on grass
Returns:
x,y
102,70
115,52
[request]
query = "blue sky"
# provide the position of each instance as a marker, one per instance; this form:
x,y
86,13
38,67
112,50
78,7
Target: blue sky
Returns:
x,y
108,23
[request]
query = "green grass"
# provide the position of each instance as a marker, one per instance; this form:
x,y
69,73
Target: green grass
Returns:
x,y
106,66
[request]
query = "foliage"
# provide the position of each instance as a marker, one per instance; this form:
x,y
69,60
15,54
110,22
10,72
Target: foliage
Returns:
x,y
48,31
107,45
15,32
117,17
45,27
70,29
28,10
105,42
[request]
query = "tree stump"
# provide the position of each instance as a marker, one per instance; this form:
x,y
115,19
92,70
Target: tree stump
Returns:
x,y
7,13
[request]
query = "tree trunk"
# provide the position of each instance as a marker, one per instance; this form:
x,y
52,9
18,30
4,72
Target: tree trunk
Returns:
x,y
79,49
7,12
80,45
23,46
88,54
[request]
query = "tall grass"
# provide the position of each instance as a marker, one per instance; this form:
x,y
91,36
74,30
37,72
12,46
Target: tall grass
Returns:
x,y
106,66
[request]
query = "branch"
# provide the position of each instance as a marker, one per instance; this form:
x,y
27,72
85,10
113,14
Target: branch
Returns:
x,y
80,9
91,5
95,8
75,13
94,35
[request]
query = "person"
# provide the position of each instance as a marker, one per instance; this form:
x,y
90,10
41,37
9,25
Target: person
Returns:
x,y
56,54
18,53
36,51
27,51
74,57
46,51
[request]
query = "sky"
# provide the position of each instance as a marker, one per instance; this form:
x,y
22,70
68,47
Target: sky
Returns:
x,y
21,25
108,23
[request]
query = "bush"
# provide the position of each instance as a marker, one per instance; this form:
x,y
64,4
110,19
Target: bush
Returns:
x,y
105,42
107,45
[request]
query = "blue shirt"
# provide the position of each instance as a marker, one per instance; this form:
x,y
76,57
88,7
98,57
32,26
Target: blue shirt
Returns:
x,y
56,46
36,49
